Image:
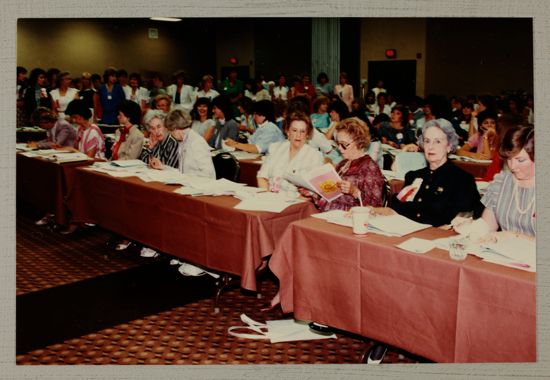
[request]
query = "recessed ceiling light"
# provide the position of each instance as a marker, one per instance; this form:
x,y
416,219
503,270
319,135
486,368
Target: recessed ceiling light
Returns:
x,y
171,19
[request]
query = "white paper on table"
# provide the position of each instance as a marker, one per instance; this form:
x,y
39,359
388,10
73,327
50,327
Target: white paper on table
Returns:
x,y
417,245
267,201
242,155
23,147
513,250
468,159
392,174
340,217
394,225
128,163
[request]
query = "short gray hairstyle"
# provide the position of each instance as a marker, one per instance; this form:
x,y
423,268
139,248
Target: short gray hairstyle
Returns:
x,y
446,127
178,119
152,114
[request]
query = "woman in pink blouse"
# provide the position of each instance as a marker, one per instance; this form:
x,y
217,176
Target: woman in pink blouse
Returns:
x,y
90,140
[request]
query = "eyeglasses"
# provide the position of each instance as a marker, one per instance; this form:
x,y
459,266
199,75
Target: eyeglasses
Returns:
x,y
344,145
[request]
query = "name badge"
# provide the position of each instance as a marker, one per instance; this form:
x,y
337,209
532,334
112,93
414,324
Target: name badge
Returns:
x,y
109,97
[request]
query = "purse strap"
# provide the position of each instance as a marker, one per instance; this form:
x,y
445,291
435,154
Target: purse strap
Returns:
x,y
259,328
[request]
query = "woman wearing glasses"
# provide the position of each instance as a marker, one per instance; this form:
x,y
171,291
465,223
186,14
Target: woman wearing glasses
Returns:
x,y
362,180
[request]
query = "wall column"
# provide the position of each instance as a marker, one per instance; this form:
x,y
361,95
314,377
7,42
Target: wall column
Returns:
x,y
325,48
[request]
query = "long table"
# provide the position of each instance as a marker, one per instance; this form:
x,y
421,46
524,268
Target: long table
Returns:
x,y
430,305
477,169
43,185
204,230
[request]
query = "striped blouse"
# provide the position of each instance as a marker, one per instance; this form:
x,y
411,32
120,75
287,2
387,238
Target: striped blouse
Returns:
x,y
166,151
513,206
90,138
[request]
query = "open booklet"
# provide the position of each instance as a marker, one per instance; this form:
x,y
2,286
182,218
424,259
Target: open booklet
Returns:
x,y
322,180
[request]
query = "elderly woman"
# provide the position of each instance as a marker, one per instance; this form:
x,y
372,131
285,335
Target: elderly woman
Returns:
x,y
362,180
193,151
128,138
163,102
437,193
266,133
482,144
59,132
290,156
510,199
162,147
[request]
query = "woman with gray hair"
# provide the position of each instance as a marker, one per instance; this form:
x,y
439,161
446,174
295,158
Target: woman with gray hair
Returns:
x,y
193,151
434,194
162,148
437,193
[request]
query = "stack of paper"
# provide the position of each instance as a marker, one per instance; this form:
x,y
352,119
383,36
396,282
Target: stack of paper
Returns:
x,y
267,201
394,225
468,159
128,163
62,157
241,155
340,217
515,252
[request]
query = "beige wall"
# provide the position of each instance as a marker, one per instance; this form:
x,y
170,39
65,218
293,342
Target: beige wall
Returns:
x,y
407,36
95,44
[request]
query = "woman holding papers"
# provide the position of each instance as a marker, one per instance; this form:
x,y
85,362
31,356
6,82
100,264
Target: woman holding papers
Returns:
x,y
162,147
362,181
510,198
437,193
128,138
291,156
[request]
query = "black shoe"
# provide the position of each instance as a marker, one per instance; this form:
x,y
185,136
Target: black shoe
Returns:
x,y
376,354
320,329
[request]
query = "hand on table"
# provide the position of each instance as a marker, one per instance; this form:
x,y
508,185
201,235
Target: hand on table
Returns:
x,y
155,163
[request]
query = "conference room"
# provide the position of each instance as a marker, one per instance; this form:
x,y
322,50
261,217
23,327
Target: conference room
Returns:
x,y
122,263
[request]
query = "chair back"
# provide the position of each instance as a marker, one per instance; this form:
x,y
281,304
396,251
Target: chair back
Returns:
x,y
386,193
226,166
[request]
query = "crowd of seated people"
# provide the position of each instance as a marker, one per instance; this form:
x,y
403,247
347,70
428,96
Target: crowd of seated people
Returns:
x,y
298,128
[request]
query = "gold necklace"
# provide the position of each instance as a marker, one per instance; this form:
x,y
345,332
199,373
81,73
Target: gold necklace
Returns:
x,y
516,199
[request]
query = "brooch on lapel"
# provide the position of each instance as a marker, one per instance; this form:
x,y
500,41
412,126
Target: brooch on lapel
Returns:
x,y
439,189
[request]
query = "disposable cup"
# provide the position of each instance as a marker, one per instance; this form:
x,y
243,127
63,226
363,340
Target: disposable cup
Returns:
x,y
360,219
457,249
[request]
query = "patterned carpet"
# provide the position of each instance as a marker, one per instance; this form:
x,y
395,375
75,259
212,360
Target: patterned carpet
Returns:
x,y
190,333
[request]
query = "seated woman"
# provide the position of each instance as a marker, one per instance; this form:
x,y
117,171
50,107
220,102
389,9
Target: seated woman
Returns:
x,y
59,132
163,103
397,132
90,140
362,181
201,114
246,108
226,127
484,141
266,133
290,156
194,153
320,118
163,147
510,199
128,138
437,193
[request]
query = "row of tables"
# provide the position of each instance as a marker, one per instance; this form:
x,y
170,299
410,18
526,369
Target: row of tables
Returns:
x,y
446,311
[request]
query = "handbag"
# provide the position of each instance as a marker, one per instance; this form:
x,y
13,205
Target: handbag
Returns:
x,y
285,330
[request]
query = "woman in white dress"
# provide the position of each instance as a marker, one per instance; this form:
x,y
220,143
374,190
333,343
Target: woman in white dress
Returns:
x,y
289,157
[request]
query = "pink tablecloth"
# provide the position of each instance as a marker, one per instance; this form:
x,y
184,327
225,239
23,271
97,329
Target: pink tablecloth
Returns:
x,y
427,304
203,230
